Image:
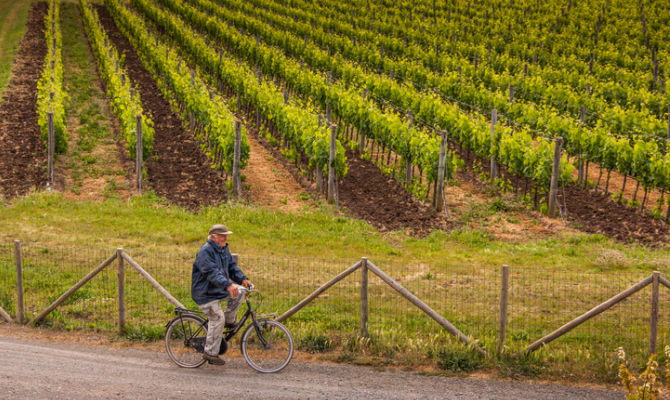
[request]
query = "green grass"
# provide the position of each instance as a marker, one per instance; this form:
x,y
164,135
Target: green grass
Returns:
x,y
89,117
289,255
13,16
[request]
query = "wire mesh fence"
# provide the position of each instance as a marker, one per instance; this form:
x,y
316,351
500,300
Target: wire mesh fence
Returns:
x,y
540,300
7,278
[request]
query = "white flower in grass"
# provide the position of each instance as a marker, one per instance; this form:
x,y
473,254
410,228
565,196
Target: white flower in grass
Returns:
x,y
621,354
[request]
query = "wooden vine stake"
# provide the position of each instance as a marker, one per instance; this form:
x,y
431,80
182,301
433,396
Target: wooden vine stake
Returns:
x,y
236,160
138,153
441,174
553,189
318,171
51,145
332,198
408,161
494,164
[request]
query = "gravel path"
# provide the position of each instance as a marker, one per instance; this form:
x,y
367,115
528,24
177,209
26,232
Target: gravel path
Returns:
x,y
35,369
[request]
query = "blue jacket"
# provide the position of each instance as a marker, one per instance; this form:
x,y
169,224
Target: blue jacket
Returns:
x,y
214,269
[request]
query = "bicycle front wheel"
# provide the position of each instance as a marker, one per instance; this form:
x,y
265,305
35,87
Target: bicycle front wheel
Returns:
x,y
267,346
185,340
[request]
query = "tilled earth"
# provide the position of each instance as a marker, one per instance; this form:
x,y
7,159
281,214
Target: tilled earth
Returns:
x,y
23,159
596,212
178,169
182,173
383,202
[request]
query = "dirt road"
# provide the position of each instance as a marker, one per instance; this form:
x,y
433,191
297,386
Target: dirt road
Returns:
x,y
34,369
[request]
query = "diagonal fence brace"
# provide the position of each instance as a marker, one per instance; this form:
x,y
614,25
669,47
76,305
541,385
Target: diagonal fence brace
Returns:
x,y
590,314
151,280
318,291
73,289
5,315
424,307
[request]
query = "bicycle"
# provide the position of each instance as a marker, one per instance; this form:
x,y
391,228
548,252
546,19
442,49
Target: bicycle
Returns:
x,y
267,345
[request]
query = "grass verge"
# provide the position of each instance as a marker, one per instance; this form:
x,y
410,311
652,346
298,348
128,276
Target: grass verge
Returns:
x,y
92,165
13,15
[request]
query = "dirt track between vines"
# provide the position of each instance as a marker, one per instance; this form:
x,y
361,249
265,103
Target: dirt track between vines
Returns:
x,y
178,169
22,153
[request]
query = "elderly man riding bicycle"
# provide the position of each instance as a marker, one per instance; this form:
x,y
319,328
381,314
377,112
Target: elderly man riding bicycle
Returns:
x,y
214,277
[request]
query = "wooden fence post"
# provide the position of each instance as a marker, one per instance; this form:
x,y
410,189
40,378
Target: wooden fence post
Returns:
x,y
121,286
51,146
364,297
331,165
653,331
138,153
504,292
441,172
553,189
494,165
19,282
237,186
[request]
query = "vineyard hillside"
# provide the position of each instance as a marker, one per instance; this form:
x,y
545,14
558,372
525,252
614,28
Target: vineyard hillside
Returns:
x,y
468,133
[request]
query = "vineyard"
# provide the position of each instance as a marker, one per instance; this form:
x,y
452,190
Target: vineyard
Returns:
x,y
432,135
378,106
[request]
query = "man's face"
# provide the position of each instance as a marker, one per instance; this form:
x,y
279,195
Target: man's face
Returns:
x,y
220,239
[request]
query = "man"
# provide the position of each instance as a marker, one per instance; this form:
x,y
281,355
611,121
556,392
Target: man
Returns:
x,y
213,279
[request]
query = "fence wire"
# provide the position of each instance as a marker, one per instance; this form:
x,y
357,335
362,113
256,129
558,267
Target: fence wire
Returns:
x,y
7,278
540,301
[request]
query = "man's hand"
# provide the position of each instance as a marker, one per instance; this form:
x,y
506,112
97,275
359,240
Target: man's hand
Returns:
x,y
246,283
233,291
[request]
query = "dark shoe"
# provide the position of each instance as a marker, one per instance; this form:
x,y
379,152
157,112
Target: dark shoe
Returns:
x,y
229,327
214,359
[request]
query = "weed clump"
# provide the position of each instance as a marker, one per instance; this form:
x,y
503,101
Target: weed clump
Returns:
x,y
457,360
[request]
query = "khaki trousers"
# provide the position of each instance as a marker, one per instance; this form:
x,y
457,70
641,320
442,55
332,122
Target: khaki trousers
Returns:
x,y
217,320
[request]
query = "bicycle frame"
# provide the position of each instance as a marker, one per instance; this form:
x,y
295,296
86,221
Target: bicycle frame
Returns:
x,y
227,334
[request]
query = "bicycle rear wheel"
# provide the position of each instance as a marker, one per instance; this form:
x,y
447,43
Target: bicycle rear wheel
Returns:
x,y
185,340
267,347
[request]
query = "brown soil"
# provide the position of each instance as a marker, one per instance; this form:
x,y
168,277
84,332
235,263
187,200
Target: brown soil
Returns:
x,y
383,202
270,183
616,184
595,212
178,169
22,154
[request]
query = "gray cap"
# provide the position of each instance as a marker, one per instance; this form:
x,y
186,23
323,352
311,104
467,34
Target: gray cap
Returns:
x,y
219,229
